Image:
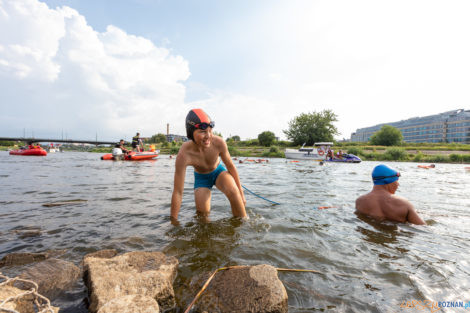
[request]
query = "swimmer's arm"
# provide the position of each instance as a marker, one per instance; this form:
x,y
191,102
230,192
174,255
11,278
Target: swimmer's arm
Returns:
x,y
411,217
180,173
225,156
414,218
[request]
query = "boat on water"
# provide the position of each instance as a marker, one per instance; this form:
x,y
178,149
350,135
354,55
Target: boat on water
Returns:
x,y
321,151
37,151
131,156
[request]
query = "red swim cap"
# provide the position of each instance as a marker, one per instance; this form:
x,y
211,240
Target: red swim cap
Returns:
x,y
197,119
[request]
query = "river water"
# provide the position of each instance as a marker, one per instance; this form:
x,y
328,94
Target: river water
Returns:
x,y
365,266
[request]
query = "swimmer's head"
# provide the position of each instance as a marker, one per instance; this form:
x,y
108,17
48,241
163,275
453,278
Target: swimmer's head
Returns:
x,y
197,119
383,175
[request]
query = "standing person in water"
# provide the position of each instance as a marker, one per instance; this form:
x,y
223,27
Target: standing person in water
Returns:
x,y
137,144
382,203
203,152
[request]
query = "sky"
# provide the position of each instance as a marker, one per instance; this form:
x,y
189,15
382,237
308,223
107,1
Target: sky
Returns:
x,y
86,69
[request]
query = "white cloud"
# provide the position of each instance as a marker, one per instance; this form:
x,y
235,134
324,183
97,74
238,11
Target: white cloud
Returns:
x,y
58,74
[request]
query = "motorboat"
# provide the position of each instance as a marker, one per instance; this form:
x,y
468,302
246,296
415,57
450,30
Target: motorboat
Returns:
x,y
316,153
321,151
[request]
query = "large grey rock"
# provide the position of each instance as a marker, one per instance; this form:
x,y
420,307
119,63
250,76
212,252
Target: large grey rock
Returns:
x,y
131,304
245,289
135,273
104,254
21,258
22,304
53,276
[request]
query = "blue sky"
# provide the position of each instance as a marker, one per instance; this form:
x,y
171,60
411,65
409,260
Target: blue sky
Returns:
x,y
116,67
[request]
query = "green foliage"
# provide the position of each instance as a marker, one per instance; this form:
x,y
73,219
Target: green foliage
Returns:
x,y
387,136
395,154
312,127
217,134
174,149
235,152
372,156
274,149
266,138
235,138
158,138
418,157
250,142
458,158
438,159
355,150
230,142
101,149
273,152
8,143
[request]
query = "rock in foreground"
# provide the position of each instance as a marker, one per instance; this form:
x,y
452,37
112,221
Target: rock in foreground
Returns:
x,y
53,276
149,274
244,289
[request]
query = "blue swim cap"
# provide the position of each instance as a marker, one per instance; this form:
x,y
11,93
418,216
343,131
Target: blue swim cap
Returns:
x,y
383,175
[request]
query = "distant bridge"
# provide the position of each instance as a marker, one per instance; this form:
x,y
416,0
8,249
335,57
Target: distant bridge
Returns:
x,y
31,140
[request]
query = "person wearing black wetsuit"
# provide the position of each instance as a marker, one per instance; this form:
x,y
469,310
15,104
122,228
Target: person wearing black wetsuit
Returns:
x,y
136,143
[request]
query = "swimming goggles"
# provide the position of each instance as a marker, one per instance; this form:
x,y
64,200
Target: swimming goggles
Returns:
x,y
203,126
383,177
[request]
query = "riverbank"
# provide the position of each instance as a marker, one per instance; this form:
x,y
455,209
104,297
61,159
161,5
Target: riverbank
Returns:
x,y
427,153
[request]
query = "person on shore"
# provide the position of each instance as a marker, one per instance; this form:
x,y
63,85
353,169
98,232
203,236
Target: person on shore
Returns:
x,y
204,152
382,203
137,144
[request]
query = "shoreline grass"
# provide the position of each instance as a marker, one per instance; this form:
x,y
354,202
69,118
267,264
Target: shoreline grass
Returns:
x,y
408,152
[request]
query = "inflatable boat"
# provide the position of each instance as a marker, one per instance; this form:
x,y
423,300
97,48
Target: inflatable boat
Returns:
x,y
28,151
132,156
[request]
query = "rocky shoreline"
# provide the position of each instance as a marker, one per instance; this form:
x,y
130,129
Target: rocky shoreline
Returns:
x,y
137,282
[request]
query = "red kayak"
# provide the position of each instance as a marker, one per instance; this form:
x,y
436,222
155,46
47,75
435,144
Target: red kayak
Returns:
x,y
34,151
133,156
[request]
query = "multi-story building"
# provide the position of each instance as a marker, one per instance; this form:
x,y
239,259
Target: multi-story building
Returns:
x,y
173,137
451,126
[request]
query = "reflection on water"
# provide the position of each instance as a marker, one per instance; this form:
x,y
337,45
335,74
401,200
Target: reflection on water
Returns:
x,y
365,265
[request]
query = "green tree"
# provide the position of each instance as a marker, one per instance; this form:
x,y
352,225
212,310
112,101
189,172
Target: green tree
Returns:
x,y
387,136
158,138
235,138
312,127
266,138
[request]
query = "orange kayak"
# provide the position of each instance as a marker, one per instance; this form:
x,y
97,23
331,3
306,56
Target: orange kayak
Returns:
x,y
34,151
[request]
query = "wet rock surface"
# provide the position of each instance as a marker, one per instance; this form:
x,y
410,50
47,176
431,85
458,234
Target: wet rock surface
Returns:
x,y
243,289
149,274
